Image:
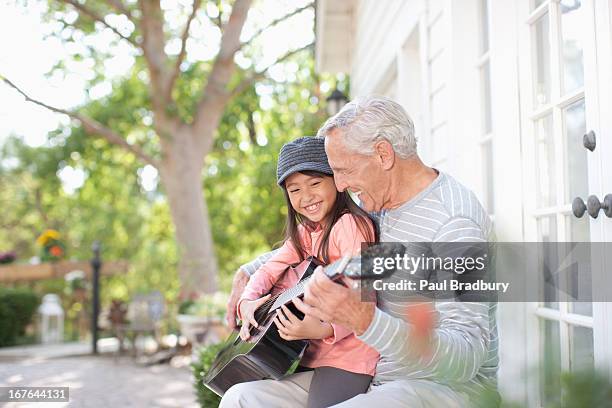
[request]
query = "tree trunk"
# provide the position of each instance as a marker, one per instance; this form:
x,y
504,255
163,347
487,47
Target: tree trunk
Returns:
x,y
181,176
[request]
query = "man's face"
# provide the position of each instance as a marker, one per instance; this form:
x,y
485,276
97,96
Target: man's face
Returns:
x,y
361,174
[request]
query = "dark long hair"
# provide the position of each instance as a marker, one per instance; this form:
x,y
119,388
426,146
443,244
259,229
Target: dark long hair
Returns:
x,y
344,204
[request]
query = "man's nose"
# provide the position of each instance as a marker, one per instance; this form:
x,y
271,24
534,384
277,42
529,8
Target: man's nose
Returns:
x,y
341,184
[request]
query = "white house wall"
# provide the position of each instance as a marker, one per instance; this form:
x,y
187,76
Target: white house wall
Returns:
x,y
334,21
425,54
380,30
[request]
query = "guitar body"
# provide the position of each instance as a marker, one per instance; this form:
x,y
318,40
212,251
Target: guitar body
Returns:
x,y
265,355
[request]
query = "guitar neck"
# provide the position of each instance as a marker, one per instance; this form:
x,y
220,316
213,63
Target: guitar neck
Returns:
x,y
333,271
349,267
289,294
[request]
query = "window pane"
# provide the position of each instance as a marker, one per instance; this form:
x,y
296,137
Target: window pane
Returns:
x,y
578,231
547,229
576,154
435,8
582,308
572,31
439,143
484,24
486,97
487,172
542,61
438,70
581,348
438,36
547,232
439,106
545,163
551,369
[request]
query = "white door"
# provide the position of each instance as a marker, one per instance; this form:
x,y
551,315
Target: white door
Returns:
x,y
561,101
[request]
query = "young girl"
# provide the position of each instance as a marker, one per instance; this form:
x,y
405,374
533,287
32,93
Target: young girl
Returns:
x,y
324,223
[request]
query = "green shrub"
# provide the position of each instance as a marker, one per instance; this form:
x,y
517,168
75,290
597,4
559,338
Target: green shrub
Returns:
x,y
185,306
17,308
206,397
585,389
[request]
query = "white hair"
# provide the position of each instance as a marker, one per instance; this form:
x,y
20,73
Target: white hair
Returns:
x,y
366,120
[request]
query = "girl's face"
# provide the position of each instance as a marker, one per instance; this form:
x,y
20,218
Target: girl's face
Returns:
x,y
311,196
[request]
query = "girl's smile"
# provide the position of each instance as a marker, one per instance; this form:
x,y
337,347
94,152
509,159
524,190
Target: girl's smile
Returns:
x,y
313,208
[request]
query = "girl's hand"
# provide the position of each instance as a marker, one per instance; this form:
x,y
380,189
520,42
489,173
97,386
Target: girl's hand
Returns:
x,y
247,312
292,328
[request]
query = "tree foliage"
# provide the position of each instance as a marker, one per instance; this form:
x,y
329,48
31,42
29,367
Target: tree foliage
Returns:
x,y
166,111
246,206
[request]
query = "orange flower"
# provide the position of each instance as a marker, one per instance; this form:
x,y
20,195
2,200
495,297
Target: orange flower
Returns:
x,y
56,251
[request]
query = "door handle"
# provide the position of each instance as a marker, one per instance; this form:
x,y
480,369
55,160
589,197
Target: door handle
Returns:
x,y
578,207
592,206
589,140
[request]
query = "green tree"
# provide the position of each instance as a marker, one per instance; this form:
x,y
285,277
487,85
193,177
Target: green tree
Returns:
x,y
177,119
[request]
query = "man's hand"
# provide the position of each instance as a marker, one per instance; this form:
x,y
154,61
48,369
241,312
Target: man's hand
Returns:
x,y
334,303
292,328
239,283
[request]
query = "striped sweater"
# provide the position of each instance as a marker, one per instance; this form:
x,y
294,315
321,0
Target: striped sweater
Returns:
x,y
465,339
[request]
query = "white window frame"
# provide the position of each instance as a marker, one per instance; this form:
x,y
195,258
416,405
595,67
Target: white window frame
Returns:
x,y
486,137
438,159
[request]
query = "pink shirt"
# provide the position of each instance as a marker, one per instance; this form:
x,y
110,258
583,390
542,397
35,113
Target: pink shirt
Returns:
x,y
341,350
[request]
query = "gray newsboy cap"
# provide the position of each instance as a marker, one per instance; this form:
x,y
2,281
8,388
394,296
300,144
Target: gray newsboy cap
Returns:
x,y
305,153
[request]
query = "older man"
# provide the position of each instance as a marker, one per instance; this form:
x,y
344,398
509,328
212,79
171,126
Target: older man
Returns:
x,y
371,147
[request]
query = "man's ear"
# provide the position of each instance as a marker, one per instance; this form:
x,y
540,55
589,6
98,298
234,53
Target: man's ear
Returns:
x,y
385,154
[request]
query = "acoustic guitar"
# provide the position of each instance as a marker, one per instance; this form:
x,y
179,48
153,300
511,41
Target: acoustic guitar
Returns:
x,y
265,355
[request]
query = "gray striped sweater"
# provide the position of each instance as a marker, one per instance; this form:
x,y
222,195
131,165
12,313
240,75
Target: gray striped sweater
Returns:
x,y
465,339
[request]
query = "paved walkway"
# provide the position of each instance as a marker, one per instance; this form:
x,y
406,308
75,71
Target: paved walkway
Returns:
x,y
101,381
72,349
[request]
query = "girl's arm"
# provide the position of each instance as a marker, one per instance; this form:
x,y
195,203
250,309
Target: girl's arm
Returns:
x,y
346,239
262,281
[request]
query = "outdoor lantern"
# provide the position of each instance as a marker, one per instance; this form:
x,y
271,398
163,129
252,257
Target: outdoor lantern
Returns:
x,y
51,319
335,102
